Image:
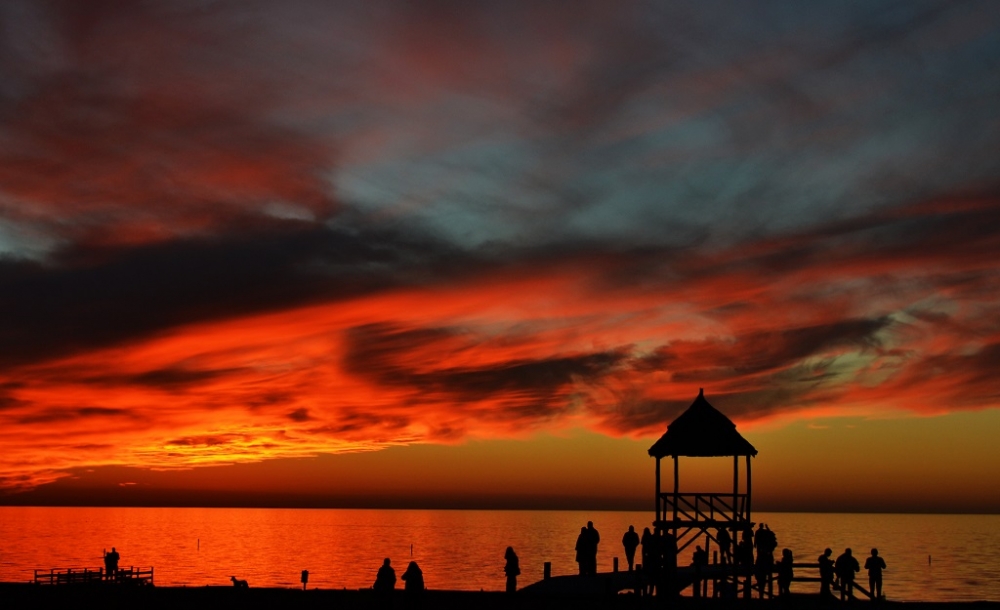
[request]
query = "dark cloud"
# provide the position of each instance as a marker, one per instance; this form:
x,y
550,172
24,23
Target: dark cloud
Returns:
x,y
208,440
762,351
62,415
299,415
385,354
968,380
366,423
91,297
165,379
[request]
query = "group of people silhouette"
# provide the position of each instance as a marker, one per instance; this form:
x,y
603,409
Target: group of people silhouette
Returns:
x,y
385,579
659,562
586,549
844,568
111,564
755,550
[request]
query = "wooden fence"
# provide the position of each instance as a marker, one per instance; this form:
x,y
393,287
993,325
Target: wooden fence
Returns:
x,y
82,576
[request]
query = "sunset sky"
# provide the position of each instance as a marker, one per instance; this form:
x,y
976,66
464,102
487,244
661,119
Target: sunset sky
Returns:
x,y
455,254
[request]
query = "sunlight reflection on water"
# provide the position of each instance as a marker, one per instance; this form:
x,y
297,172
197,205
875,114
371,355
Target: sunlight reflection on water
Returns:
x,y
459,549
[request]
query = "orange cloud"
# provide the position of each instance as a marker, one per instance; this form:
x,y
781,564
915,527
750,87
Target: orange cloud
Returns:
x,y
577,341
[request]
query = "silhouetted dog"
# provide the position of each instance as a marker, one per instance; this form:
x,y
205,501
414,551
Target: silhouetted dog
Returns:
x,y
239,584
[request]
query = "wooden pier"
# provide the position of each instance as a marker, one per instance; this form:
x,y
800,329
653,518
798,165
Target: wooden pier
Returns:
x,y
130,576
712,581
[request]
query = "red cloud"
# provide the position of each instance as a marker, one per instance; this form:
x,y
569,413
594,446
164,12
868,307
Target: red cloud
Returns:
x,y
574,341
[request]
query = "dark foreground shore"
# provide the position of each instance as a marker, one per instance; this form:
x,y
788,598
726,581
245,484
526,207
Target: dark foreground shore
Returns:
x,y
28,596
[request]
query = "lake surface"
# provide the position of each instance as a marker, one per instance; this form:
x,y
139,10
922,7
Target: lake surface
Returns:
x,y
929,557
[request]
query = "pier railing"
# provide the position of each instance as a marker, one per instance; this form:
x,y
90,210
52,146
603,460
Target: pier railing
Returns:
x,y
744,577
717,580
80,576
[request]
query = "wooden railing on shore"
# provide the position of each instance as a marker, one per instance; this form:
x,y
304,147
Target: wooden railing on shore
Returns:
x,y
81,576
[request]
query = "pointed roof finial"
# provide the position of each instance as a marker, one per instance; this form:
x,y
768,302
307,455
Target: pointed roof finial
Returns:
x,y
701,392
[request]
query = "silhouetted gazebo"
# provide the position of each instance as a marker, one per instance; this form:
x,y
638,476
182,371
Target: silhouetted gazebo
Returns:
x,y
702,432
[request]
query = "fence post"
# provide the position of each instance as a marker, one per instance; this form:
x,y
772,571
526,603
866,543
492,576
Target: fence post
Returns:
x,y
614,564
547,570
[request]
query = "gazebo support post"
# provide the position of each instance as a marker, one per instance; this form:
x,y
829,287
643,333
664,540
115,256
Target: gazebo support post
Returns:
x,y
736,486
677,489
659,500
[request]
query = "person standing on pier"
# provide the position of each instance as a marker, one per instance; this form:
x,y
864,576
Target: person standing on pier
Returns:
x,y
875,565
650,561
512,569
825,573
647,548
700,561
725,544
582,551
845,568
111,563
594,540
785,572
631,542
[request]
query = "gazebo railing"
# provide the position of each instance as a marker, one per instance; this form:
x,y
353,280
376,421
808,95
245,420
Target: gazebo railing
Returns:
x,y
702,507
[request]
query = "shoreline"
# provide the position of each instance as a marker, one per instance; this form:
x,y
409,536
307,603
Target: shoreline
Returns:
x,y
15,596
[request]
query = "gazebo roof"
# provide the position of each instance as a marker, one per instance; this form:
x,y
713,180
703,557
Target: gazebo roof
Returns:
x,y
701,431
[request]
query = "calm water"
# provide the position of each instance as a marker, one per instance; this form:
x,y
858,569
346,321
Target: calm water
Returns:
x,y
460,549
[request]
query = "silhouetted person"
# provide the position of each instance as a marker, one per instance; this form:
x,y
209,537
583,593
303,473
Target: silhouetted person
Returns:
x,y
650,562
595,539
699,559
647,547
766,542
725,544
667,543
582,550
239,584
785,572
825,573
631,542
763,568
305,579
413,577
875,565
845,568
512,569
111,564
385,580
